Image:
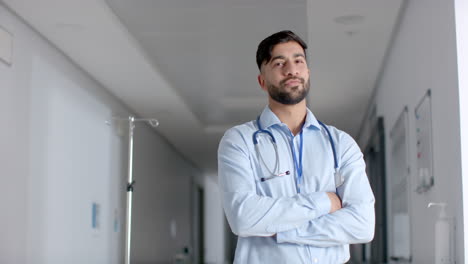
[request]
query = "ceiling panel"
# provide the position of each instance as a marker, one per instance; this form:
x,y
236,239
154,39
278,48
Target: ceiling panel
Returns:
x,y
207,50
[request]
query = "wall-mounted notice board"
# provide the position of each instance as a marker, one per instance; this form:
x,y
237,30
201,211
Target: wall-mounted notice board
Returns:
x,y
423,117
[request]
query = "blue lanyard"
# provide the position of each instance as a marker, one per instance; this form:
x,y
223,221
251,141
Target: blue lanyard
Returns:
x,y
298,163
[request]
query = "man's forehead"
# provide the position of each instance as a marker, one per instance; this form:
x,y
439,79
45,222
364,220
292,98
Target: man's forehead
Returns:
x,y
290,47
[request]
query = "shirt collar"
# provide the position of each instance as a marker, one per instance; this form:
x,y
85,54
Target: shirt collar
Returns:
x,y
268,119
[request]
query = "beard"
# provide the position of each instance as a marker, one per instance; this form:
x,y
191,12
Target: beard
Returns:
x,y
295,94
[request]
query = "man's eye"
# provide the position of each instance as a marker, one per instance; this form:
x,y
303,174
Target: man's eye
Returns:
x,y
299,61
278,64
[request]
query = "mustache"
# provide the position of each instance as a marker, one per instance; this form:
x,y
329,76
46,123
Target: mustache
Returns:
x,y
292,78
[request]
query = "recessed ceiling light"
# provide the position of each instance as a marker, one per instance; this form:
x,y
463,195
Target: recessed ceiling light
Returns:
x,y
349,19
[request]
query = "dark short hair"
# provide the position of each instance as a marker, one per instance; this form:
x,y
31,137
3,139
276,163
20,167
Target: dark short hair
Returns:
x,y
266,46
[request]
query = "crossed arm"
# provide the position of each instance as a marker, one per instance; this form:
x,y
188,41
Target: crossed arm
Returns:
x,y
353,223
319,218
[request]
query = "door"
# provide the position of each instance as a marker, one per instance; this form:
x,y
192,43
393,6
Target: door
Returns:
x,y
374,155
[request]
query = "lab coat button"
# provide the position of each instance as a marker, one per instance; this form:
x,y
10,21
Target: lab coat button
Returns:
x,y
315,260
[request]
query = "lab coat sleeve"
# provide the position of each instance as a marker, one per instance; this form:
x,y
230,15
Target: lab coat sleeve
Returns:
x,y
250,214
352,224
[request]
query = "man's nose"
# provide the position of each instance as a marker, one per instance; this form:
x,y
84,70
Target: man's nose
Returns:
x,y
290,69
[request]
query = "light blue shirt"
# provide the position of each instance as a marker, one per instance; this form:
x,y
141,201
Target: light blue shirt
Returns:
x,y
274,222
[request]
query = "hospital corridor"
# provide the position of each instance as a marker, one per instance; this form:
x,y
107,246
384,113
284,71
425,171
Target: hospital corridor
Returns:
x,y
112,113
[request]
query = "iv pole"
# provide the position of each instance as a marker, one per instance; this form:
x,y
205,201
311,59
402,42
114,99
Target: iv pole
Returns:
x,y
128,229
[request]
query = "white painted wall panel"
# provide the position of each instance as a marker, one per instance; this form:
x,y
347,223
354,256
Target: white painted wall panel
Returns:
x,y
14,160
461,21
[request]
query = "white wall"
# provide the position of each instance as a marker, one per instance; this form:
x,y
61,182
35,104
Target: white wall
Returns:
x,y
461,15
214,223
58,157
14,160
423,56
163,223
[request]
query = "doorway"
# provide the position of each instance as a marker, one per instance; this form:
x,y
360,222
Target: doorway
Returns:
x,y
374,156
198,255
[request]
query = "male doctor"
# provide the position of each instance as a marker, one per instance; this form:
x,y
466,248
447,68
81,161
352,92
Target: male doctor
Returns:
x,y
285,193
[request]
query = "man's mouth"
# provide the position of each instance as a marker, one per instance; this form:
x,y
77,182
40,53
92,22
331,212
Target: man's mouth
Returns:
x,y
292,82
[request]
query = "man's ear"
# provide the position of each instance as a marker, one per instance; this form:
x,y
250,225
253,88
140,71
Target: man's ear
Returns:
x,y
261,81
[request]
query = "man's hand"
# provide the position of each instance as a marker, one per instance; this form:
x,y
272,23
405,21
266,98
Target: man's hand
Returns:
x,y
335,202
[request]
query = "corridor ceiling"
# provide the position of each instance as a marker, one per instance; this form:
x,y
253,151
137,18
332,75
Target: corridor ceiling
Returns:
x,y
191,63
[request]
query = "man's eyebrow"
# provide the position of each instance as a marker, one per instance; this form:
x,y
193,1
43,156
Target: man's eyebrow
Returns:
x,y
283,58
278,57
299,55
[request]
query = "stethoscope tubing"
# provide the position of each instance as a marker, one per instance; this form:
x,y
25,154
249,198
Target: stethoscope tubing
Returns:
x,y
332,142
275,173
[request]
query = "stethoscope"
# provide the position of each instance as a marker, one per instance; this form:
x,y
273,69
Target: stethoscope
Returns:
x,y
339,180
